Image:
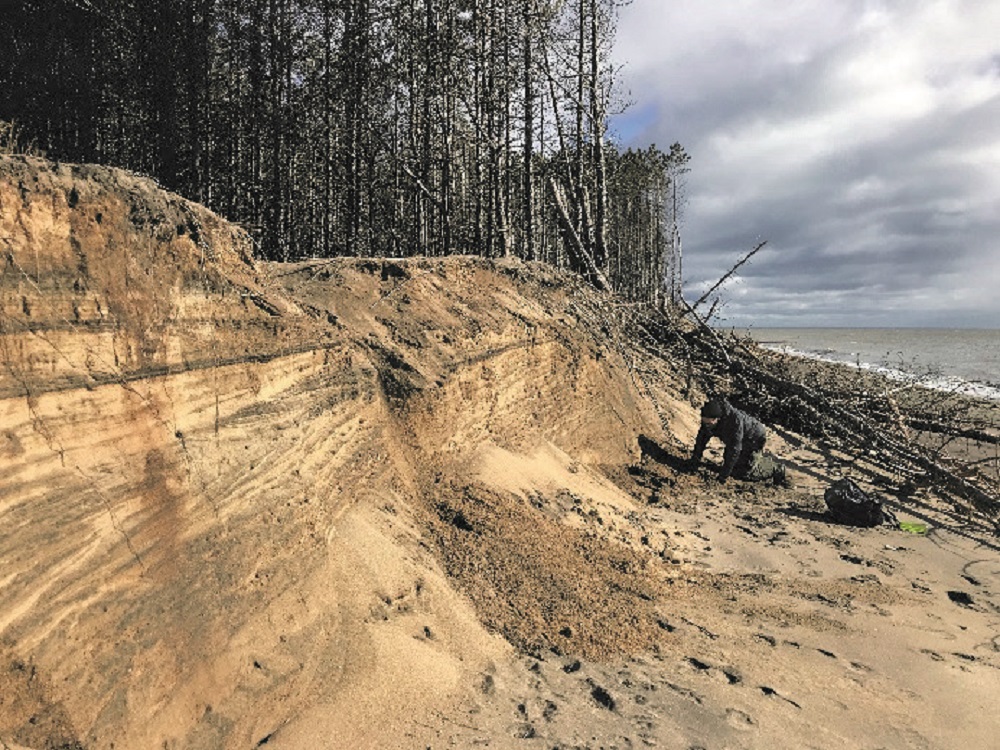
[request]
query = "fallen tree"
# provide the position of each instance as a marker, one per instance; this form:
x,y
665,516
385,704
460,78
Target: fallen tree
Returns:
x,y
863,418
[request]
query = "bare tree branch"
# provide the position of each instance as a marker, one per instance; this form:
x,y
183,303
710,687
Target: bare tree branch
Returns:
x,y
726,276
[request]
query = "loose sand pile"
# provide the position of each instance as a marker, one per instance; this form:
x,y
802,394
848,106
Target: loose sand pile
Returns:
x,y
411,504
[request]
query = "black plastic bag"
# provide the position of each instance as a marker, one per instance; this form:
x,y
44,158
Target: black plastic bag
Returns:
x,y
850,505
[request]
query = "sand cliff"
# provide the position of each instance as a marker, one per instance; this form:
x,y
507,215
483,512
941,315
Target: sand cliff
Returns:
x,y
406,504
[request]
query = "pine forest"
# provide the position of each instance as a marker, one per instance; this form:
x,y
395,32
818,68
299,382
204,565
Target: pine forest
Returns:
x,y
383,128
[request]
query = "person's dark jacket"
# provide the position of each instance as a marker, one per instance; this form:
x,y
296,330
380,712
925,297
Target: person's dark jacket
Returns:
x,y
741,433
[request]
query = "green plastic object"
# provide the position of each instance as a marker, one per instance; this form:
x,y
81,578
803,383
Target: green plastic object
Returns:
x,y
913,528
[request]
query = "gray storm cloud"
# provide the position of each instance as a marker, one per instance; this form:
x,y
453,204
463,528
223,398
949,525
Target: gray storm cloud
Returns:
x,y
862,141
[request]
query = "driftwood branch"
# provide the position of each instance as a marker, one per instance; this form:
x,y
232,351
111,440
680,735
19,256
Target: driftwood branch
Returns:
x,y
862,432
727,275
722,348
942,428
864,422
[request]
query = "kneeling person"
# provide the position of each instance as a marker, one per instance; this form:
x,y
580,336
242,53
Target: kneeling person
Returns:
x,y
744,437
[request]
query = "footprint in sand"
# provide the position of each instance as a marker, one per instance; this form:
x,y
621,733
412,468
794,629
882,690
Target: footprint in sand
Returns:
x,y
731,675
739,719
960,598
549,710
600,695
686,692
698,664
524,732
771,692
984,575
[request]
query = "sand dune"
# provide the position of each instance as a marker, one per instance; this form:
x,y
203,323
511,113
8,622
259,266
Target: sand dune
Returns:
x,y
427,503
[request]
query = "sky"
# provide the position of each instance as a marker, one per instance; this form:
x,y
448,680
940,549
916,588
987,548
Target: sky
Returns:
x,y
859,138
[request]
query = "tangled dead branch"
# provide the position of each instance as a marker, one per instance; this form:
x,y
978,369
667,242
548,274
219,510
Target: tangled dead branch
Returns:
x,y
859,417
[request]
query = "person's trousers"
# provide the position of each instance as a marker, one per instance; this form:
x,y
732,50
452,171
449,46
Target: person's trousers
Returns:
x,y
750,448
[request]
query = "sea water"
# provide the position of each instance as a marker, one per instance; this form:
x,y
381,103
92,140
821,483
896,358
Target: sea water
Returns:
x,y
960,360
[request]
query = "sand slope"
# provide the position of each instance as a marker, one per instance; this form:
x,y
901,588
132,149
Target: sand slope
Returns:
x,y
432,503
